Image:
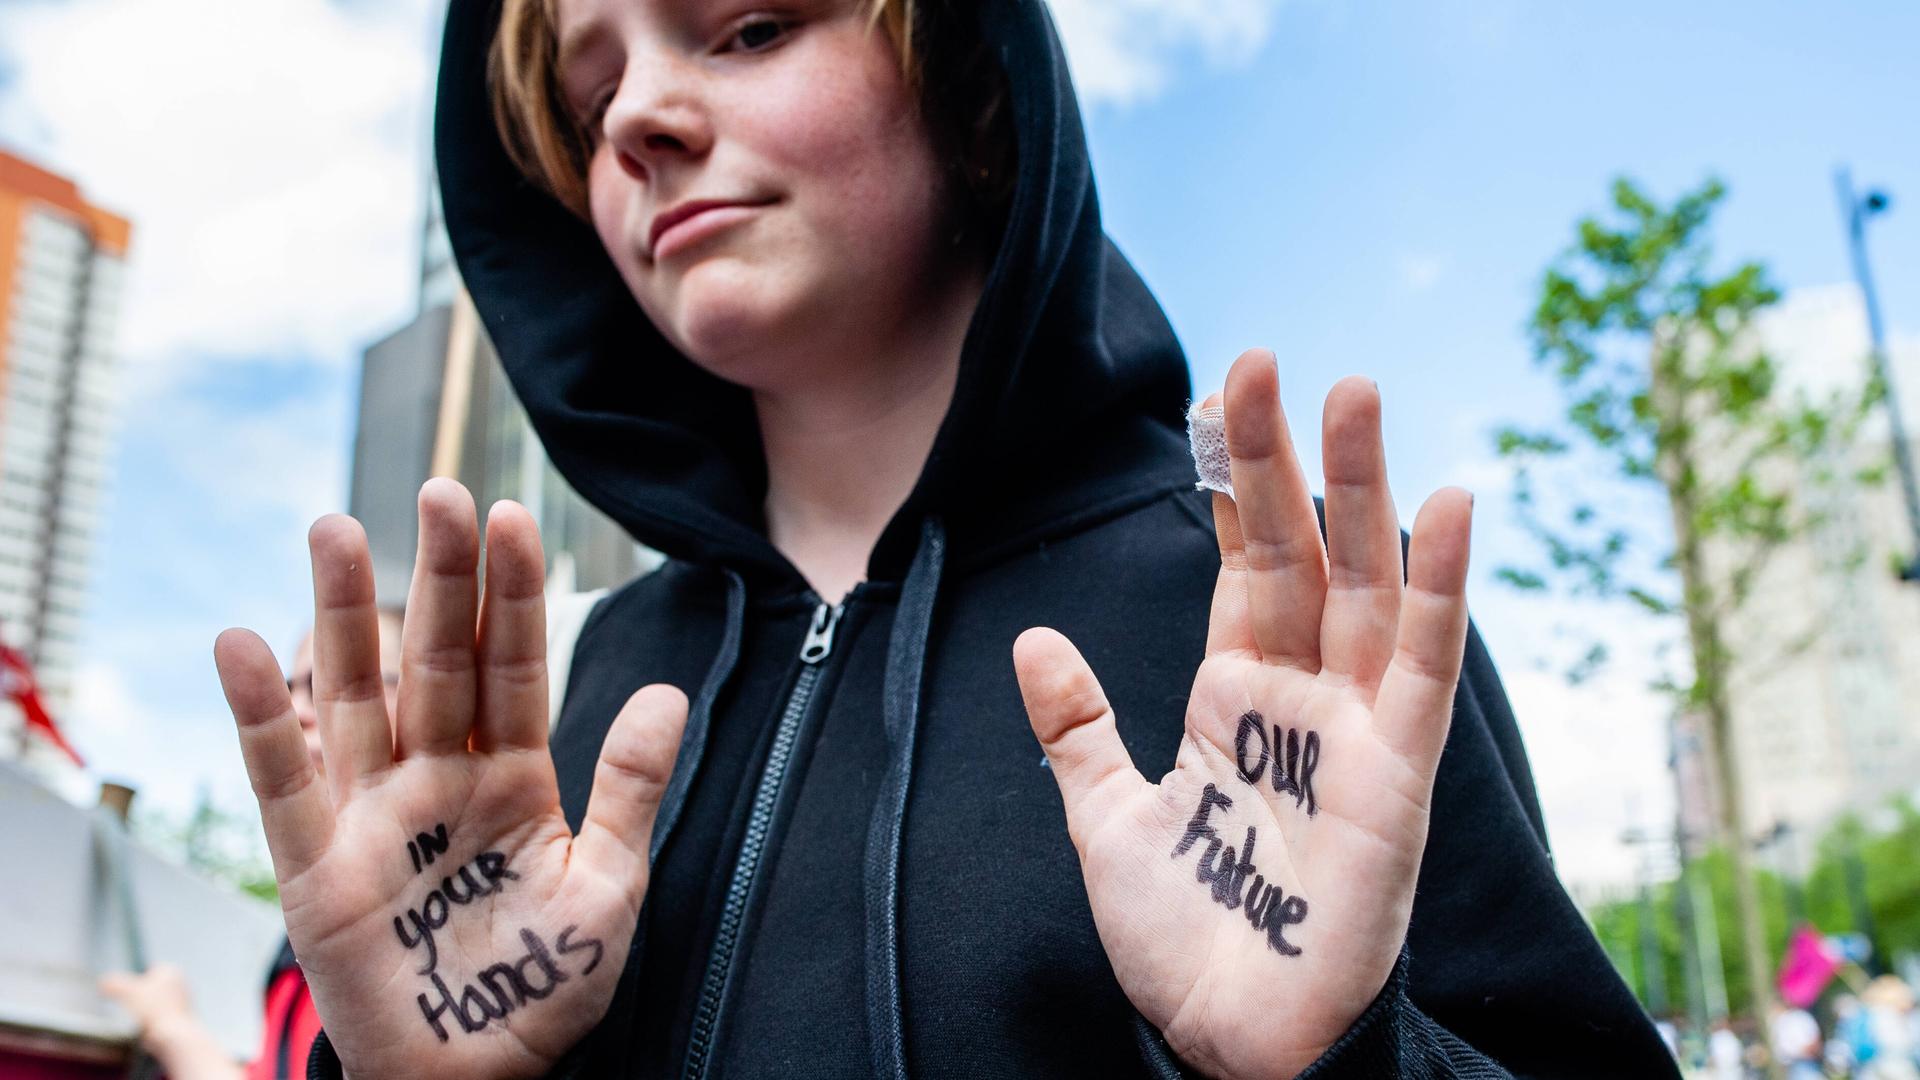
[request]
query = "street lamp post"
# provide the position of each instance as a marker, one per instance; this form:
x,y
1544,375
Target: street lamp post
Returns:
x,y
1855,210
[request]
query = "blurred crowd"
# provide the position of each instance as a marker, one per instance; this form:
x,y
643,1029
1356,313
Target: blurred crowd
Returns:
x,y
1870,1035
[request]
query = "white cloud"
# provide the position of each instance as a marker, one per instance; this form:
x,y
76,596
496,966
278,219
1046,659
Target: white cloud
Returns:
x,y
287,458
268,153
1599,757
166,754
1123,51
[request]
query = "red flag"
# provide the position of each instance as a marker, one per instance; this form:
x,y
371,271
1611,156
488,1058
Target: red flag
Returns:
x,y
1807,967
17,682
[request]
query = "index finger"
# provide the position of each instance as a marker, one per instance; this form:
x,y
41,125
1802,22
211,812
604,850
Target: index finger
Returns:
x,y
1415,703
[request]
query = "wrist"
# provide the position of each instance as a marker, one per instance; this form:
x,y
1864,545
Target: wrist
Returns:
x,y
172,1034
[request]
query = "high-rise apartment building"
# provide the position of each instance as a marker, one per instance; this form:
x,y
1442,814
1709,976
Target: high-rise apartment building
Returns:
x,y
1825,686
61,260
434,401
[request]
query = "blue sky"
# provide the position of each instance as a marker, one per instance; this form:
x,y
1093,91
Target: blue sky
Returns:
x,y
1367,188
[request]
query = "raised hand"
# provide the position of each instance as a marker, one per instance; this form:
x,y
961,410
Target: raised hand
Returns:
x,y
447,919
1254,901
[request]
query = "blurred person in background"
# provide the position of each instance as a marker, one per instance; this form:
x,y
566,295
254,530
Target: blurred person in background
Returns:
x,y
815,299
1888,1003
1795,1038
158,998
1851,1046
1726,1054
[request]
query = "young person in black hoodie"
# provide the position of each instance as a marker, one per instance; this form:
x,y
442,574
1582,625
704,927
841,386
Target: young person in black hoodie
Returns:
x,y
812,295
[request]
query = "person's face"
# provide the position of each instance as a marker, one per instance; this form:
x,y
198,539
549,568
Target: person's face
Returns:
x,y
300,685
790,134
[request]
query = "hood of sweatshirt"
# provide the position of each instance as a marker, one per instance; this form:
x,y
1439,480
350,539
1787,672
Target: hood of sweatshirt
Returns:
x,y
1071,382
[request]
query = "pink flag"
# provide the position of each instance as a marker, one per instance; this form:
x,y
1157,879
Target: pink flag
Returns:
x,y
1807,968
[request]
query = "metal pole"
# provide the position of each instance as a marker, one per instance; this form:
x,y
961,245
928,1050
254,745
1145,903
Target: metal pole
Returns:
x,y
1683,918
1653,963
1854,211
1707,928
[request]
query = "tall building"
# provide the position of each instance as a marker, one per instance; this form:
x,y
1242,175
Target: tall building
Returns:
x,y
434,401
1825,688
61,260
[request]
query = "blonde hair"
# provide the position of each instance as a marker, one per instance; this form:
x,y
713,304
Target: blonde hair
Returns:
x,y
541,134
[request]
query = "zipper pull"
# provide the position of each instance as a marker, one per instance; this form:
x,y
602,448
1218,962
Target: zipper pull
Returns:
x,y
819,640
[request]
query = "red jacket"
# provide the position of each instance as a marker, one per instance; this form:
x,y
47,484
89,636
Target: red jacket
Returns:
x,y
291,1024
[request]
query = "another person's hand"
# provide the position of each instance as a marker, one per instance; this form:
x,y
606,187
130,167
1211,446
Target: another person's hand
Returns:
x,y
159,1003
447,919
1254,901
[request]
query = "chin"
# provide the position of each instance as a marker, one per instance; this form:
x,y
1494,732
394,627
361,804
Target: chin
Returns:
x,y
730,320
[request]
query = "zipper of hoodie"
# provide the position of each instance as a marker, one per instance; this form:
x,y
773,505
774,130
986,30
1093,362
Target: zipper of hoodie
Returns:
x,y
814,650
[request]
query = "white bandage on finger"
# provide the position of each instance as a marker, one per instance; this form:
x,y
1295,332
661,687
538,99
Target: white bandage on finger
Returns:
x,y
1207,435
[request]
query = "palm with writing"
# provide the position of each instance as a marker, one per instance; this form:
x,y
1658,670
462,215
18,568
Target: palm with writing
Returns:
x,y
447,919
1254,901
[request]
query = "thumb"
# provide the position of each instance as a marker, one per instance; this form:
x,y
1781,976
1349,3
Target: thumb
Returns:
x,y
636,761
1074,723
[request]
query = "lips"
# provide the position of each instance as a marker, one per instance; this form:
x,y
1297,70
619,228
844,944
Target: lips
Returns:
x,y
677,225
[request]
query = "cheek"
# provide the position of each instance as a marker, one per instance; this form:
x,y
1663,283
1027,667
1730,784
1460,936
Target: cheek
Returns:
x,y
849,136
610,206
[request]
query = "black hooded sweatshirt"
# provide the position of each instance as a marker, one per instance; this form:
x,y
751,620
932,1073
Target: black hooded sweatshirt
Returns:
x,y
862,865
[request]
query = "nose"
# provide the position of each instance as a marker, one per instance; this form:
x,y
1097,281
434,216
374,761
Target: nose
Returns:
x,y
658,115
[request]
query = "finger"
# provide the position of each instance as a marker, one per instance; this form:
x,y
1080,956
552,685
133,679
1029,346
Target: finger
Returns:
x,y
1286,565
437,671
294,807
1363,538
1416,697
636,761
349,693
1229,626
1075,726
512,710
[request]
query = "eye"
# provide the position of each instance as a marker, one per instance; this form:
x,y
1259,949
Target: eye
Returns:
x,y
596,116
592,117
757,33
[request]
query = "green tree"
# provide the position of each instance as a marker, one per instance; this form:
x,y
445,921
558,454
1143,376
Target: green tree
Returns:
x,y
1887,869
1684,453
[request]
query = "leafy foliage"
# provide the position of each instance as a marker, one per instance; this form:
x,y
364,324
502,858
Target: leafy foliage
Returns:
x,y
1885,868
1666,389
